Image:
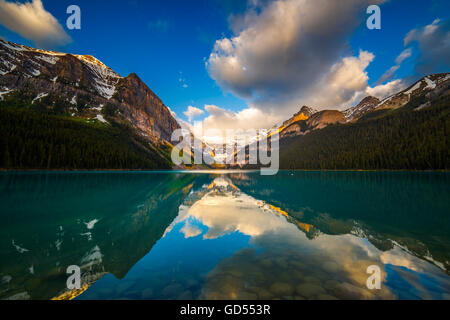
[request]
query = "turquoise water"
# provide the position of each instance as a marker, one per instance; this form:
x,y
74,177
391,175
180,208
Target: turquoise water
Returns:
x,y
175,235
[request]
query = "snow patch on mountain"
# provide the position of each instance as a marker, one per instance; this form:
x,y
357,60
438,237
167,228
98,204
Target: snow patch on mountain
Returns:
x,y
106,79
35,72
8,65
413,88
39,96
101,119
430,84
12,46
4,92
48,59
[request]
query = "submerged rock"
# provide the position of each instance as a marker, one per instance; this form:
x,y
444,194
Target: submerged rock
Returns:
x,y
281,289
309,290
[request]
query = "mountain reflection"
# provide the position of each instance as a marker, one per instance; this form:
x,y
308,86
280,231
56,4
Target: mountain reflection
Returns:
x,y
407,209
102,222
283,263
300,235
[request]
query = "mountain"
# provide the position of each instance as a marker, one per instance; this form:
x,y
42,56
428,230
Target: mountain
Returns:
x,y
366,105
86,85
430,86
309,119
433,85
325,118
406,131
79,90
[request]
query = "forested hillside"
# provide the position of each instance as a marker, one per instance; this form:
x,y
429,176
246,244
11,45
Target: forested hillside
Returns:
x,y
31,139
408,138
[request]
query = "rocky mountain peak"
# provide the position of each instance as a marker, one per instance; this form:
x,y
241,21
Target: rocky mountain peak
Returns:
x,y
86,85
367,104
324,118
431,85
307,111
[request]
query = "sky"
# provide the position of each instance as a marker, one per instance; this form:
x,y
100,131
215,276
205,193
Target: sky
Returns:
x,y
246,64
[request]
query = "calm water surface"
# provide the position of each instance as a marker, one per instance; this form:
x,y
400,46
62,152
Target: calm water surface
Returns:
x,y
302,235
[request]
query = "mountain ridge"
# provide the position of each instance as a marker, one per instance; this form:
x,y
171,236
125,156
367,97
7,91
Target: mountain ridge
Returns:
x,y
412,123
430,85
81,114
86,83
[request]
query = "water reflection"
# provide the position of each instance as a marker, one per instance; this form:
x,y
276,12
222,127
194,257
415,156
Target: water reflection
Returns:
x,y
102,222
229,236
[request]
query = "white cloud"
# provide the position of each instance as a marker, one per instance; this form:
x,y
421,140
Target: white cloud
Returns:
x,y
190,231
433,41
283,56
193,112
33,22
281,51
220,120
345,85
344,79
386,90
403,56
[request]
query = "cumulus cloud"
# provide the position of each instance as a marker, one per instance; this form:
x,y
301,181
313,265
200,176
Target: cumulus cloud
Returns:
x,y
193,112
282,50
220,120
386,90
190,231
33,22
344,79
344,85
433,41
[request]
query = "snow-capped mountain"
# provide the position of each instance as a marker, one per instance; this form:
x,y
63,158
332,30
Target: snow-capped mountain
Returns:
x,y
432,85
366,105
85,85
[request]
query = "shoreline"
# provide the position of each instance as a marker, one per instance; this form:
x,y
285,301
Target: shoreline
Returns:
x,y
218,171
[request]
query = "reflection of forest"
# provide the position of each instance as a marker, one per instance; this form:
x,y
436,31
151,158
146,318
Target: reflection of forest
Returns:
x,y
106,223
407,208
133,212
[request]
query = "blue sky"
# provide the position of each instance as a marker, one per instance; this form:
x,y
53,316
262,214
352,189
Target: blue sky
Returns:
x,y
167,43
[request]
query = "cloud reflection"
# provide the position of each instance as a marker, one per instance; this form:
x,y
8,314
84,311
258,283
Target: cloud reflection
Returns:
x,y
283,261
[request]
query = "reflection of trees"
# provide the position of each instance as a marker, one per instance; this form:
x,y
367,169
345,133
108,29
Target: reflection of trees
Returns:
x,y
133,212
385,205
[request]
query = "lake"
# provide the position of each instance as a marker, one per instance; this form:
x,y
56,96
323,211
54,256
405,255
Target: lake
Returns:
x,y
225,235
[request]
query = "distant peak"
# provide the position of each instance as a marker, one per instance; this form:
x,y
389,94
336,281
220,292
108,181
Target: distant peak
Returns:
x,y
307,111
90,59
133,76
369,99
